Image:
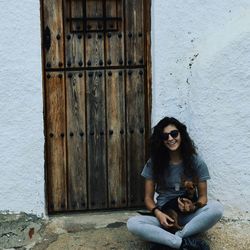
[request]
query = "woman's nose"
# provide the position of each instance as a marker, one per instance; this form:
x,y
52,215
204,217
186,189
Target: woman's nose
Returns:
x,y
170,138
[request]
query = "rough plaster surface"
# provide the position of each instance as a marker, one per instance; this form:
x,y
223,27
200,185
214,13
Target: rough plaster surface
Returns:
x,y
200,75
201,59
21,107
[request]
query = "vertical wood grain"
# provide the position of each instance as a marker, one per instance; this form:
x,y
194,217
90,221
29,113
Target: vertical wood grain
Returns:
x,y
115,39
76,141
135,32
96,130
116,147
94,41
148,72
74,42
53,19
56,142
135,135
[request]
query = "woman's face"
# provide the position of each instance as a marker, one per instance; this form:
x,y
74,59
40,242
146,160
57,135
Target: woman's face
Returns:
x,y
171,137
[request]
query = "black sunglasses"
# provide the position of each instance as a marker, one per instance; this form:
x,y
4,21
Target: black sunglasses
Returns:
x,y
173,133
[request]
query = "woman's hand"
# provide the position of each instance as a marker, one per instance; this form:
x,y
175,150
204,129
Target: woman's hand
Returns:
x,y
164,219
185,205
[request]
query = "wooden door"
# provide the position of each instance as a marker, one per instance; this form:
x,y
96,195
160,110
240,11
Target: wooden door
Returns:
x,y
97,78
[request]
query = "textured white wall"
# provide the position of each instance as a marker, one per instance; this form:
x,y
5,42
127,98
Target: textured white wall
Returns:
x,y
21,107
201,61
201,73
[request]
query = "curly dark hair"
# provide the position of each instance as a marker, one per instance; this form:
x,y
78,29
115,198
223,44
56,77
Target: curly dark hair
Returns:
x,y
160,154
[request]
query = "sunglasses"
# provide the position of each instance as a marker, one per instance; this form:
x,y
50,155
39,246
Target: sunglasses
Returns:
x,y
173,133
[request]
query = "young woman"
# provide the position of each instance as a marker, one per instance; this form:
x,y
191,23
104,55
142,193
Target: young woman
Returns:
x,y
173,157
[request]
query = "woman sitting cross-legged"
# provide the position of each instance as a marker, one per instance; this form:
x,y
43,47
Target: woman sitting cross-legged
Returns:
x,y
173,158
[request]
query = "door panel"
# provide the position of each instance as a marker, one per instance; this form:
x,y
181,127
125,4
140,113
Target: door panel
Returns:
x,y
135,32
74,42
96,132
76,141
135,135
115,35
53,29
94,50
116,144
56,143
97,102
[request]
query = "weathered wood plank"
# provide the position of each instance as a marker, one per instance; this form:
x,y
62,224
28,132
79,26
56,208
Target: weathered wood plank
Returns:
x,y
135,32
116,147
115,39
55,141
135,135
76,141
96,128
94,9
74,42
148,72
94,50
94,41
53,19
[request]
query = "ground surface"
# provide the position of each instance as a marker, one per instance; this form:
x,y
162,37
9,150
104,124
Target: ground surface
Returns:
x,y
101,231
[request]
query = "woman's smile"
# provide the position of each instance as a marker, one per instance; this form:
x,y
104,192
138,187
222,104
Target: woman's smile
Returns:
x,y
171,142
172,145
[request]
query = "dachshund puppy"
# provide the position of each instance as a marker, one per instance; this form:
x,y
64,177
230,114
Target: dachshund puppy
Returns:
x,y
171,208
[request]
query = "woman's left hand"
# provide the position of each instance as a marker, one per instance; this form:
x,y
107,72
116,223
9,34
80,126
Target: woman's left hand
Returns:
x,y
185,205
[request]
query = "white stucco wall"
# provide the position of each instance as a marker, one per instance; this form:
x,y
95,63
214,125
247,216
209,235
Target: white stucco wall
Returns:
x,y
21,108
201,73
201,62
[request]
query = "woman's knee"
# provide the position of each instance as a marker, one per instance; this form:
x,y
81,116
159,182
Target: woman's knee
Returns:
x,y
132,223
217,208
136,223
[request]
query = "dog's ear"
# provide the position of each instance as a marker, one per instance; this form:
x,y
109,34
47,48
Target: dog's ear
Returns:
x,y
189,185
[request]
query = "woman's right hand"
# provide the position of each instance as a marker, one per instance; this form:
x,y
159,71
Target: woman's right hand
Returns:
x,y
164,219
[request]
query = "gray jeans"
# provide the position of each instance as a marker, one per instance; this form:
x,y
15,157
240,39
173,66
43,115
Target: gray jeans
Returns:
x,y
149,228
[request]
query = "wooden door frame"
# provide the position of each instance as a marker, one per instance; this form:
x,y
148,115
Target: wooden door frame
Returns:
x,y
148,85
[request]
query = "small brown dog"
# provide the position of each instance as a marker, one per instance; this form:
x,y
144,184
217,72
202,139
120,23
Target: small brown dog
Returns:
x,y
171,208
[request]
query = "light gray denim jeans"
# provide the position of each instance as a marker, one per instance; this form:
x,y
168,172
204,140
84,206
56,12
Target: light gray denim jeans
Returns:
x,y
149,228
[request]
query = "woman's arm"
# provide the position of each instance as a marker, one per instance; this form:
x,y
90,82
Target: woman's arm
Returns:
x,y
202,194
149,194
164,219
